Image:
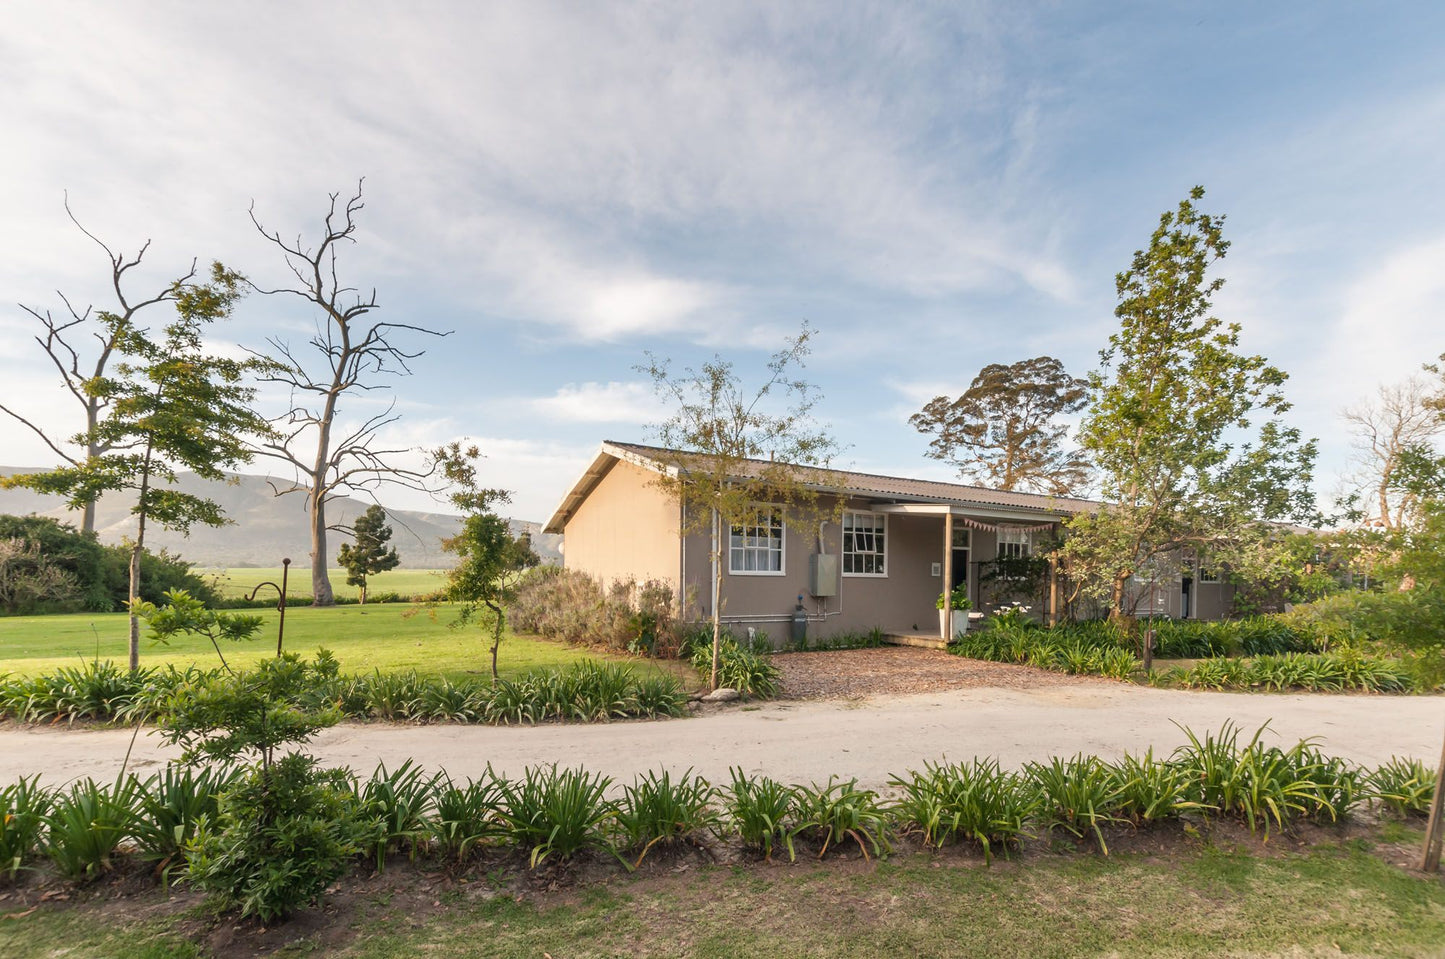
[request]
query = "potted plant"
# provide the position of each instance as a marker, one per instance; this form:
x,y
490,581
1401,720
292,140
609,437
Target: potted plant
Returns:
x,y
950,606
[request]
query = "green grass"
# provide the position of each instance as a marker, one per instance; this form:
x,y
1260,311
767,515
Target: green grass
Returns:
x,y
1188,902
239,581
389,637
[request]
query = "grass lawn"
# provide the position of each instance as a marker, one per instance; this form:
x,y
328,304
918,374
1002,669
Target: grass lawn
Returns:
x,y
390,636
239,581
1189,900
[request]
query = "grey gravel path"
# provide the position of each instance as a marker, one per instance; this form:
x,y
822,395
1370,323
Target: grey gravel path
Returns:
x,y
810,740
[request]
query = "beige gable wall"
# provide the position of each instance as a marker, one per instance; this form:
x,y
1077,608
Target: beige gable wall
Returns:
x,y
625,527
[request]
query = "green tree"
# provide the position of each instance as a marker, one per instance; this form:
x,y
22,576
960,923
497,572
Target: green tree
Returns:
x,y
734,453
1003,431
369,554
169,407
1172,426
490,558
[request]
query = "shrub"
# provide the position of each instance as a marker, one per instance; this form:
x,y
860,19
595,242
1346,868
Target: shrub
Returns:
x,y
551,812
1080,795
81,559
974,801
283,834
840,810
750,673
1256,784
656,810
1406,787
173,805
1150,791
24,810
393,810
86,825
464,817
760,810
571,606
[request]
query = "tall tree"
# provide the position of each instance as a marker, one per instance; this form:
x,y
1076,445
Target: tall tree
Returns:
x,y
1172,425
1400,417
169,407
731,449
80,363
368,554
1004,430
351,354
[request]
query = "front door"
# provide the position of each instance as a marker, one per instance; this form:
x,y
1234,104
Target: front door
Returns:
x,y
961,543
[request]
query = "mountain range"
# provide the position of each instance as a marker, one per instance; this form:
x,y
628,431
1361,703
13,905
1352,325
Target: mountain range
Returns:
x,y
265,527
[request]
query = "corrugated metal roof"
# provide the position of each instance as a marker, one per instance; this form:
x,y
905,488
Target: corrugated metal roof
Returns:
x,y
874,486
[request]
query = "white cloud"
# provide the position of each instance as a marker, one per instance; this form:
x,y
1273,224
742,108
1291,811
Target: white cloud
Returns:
x,y
600,403
1393,318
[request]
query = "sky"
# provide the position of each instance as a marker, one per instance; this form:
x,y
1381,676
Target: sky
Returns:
x,y
563,187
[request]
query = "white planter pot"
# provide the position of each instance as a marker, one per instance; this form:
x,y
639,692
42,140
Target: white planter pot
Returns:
x,y
959,623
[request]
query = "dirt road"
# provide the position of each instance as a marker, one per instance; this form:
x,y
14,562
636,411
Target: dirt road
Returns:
x,y
811,740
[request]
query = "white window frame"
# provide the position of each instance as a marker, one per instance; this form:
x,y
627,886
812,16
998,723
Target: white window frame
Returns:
x,y
882,556
766,515
1016,536
1209,575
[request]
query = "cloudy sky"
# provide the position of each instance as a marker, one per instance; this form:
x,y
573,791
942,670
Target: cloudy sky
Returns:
x,y
932,186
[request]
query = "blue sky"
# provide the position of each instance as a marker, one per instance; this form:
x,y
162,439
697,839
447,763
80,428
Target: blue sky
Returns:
x,y
933,187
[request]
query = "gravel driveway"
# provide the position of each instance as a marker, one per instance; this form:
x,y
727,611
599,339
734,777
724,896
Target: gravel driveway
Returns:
x,y
1020,715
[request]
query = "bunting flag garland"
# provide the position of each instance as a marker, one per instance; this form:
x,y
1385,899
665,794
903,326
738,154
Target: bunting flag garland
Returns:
x,y
995,527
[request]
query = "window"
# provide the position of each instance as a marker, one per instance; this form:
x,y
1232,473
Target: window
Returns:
x,y
1014,543
1208,574
756,546
865,537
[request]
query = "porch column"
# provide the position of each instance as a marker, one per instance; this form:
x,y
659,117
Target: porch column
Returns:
x,y
946,622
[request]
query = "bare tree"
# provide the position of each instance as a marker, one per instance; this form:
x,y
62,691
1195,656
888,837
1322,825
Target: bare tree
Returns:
x,y
350,355
1399,417
82,365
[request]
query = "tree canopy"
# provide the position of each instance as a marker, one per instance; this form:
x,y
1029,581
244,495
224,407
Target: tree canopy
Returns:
x,y
1187,431
368,554
1004,430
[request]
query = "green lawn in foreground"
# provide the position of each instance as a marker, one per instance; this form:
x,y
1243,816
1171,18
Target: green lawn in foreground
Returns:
x,y
390,636
239,581
1188,902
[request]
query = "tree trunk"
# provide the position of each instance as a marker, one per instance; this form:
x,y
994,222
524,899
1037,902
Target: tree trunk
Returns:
x,y
496,638
363,593
716,590
135,554
321,592
134,594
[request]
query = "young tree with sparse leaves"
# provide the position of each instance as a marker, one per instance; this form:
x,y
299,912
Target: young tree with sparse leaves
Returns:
x,y
491,559
731,449
369,554
1004,430
1174,426
170,406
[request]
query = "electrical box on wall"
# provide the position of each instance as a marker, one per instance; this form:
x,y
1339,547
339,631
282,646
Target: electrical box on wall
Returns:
x,y
823,574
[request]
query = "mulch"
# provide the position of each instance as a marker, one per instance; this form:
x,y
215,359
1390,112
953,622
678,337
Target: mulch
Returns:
x,y
900,670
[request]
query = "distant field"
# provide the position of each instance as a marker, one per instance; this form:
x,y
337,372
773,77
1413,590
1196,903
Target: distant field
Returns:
x,y
390,637
239,581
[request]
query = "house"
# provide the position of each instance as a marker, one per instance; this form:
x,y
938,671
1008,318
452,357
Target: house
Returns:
x,y
879,561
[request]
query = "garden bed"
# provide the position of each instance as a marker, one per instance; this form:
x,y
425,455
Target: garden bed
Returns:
x,y
894,670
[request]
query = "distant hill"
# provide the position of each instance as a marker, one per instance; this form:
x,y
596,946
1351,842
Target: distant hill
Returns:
x,y
266,527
